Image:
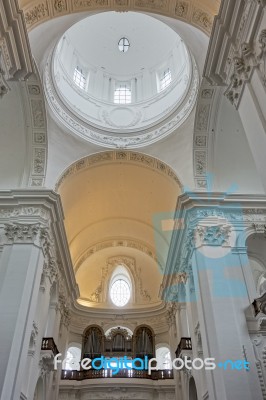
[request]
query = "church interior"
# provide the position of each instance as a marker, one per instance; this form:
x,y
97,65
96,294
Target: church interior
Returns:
x,y
133,199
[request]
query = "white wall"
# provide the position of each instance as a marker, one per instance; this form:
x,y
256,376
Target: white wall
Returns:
x,y
233,163
13,144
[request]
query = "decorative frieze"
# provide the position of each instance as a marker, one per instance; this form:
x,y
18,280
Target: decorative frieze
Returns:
x,y
203,19
39,161
181,9
153,4
21,211
36,13
4,88
202,118
38,131
115,156
60,6
200,141
79,4
41,10
262,54
200,163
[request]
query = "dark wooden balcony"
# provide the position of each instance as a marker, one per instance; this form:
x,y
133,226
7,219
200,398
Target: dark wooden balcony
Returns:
x,y
49,344
184,345
123,373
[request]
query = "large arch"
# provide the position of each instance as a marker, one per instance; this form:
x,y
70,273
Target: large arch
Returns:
x,y
110,200
199,13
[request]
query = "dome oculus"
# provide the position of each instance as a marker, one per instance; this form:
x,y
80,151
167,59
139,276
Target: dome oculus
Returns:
x,y
123,45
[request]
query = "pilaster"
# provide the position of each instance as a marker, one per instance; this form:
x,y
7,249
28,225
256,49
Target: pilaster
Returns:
x,y
34,244
212,239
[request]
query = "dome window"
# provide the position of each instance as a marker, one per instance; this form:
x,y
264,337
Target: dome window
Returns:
x,y
122,94
123,45
166,79
79,78
120,292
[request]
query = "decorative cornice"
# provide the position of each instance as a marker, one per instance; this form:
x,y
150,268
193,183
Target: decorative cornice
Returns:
x,y
15,56
39,11
108,157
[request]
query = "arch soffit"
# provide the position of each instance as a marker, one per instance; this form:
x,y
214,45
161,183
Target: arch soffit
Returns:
x,y
199,13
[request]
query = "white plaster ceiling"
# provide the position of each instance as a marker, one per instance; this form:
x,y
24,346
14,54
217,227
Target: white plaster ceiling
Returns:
x,y
110,201
92,46
176,150
96,41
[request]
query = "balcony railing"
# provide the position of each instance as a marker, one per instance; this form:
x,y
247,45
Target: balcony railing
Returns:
x,y
49,344
123,373
184,344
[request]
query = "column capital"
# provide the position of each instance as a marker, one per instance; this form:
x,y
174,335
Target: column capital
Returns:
x,y
231,63
36,217
22,233
211,220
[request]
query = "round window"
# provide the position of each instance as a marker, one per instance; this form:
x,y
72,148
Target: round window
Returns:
x,y
120,293
123,45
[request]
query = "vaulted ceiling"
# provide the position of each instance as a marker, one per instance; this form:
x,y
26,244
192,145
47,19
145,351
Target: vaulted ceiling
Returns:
x,y
110,201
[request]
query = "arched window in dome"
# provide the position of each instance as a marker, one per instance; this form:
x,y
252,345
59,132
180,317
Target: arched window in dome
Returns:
x,y
122,94
120,287
165,79
79,78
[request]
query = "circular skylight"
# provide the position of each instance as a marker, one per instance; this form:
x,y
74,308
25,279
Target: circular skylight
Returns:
x,y
123,45
116,101
120,293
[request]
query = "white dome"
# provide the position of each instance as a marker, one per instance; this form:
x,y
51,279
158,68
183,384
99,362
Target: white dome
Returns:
x,y
122,98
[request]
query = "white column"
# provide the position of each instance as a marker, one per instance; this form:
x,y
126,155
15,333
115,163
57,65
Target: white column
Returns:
x,y
32,371
222,298
21,267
